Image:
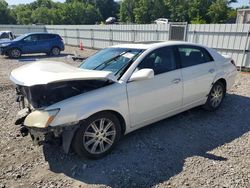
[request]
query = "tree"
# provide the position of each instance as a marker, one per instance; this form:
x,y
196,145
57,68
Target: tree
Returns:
x,y
218,11
197,11
107,8
178,10
159,10
143,12
78,13
6,15
127,11
42,15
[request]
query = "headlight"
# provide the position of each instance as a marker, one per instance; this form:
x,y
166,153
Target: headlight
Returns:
x,y
40,118
4,45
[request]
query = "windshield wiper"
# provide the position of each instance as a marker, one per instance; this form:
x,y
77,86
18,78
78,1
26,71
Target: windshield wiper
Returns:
x,y
109,60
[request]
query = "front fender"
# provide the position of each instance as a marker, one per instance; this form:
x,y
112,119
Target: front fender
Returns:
x,y
81,107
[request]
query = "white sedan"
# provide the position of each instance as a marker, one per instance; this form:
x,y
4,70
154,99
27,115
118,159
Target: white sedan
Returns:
x,y
116,91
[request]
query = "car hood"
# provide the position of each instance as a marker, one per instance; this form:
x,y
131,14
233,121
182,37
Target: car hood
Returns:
x,y
4,41
44,72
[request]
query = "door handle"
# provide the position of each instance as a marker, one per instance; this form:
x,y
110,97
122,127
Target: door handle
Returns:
x,y
211,71
176,81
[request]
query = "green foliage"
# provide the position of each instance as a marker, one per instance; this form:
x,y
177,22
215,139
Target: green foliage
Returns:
x,y
218,11
143,11
6,15
128,11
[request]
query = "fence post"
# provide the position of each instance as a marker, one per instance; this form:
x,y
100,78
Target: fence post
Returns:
x,y
194,36
78,37
110,37
157,35
65,35
186,32
245,50
45,28
92,38
29,29
133,35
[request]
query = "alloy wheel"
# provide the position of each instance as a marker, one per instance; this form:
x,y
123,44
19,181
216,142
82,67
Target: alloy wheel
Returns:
x,y
217,96
15,53
55,51
99,136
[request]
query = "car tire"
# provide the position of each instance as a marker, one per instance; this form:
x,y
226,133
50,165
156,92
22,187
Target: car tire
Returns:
x,y
55,51
97,135
14,53
215,97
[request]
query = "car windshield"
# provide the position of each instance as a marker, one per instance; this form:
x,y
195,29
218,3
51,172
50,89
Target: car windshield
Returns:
x,y
115,60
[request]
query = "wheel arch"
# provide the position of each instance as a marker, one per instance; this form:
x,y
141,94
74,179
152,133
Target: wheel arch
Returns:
x,y
119,116
14,47
55,46
223,81
68,135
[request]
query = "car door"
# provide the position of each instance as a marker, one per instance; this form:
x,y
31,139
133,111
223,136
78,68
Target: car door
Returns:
x,y
152,99
44,41
198,72
30,44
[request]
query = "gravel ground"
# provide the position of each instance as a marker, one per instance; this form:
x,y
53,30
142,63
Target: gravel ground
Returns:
x,y
192,149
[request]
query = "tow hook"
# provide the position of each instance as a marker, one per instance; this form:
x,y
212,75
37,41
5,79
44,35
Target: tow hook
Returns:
x,y
24,131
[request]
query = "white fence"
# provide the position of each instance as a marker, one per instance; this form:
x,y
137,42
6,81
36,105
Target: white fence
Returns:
x,y
101,36
231,39
22,29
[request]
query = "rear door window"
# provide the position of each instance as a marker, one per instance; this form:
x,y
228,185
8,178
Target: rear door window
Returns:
x,y
192,55
46,37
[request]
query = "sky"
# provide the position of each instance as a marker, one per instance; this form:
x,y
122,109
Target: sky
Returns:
x,y
16,2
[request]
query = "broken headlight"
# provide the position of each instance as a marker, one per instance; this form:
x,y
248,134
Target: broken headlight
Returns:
x,y
40,118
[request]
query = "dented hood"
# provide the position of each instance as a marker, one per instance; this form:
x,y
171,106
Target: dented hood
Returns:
x,y
44,72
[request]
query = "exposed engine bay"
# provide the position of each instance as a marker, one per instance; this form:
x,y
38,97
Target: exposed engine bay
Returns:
x,y
40,96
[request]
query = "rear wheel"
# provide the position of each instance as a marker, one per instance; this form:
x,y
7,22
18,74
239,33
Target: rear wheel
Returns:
x,y
15,53
215,97
97,136
55,51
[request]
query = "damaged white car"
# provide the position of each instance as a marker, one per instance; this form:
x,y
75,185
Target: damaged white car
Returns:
x,y
116,91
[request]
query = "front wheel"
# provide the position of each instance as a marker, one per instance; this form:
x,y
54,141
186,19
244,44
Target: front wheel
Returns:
x,y
215,97
97,136
15,53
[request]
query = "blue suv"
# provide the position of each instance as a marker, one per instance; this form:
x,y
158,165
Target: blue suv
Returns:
x,y
51,44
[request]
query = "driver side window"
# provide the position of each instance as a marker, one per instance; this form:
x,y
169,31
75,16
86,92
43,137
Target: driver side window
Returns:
x,y
31,38
161,60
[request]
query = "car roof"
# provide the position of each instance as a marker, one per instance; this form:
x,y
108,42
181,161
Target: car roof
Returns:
x,y
40,33
153,44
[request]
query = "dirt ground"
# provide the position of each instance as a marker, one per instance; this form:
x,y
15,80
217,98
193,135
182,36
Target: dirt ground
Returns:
x,y
192,149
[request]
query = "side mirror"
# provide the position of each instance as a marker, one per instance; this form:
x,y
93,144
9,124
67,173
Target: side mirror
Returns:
x,y
142,74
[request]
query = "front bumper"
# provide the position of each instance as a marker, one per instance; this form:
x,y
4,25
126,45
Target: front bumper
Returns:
x,y
3,51
61,134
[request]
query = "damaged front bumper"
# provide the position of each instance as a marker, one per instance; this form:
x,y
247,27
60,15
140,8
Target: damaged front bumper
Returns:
x,y
62,134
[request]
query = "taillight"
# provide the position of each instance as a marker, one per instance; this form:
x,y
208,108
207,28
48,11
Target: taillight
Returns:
x,y
232,61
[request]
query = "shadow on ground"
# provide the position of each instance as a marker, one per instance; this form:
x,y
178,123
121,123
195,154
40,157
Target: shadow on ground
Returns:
x,y
157,152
